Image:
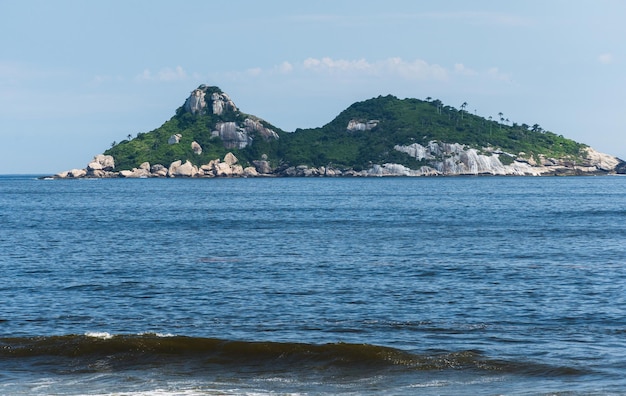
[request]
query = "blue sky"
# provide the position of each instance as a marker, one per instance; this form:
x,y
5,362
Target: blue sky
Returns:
x,y
77,75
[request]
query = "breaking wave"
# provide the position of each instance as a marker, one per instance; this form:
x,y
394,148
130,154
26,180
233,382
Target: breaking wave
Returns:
x,y
100,351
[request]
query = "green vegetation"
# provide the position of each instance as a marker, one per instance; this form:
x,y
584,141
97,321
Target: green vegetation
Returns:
x,y
400,122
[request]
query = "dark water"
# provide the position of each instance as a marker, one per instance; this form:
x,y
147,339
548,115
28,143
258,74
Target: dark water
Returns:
x,y
430,286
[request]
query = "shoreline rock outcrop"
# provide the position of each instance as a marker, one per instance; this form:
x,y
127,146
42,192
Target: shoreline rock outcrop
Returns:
x,y
444,159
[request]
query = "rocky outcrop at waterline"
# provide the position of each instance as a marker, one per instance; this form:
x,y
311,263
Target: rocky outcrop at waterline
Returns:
x,y
446,160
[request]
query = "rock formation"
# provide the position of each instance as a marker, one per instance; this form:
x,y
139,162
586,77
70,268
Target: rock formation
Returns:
x,y
195,104
174,139
450,159
232,135
219,102
252,124
356,125
197,149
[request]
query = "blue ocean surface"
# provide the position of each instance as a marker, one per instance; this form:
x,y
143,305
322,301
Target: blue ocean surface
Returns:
x,y
368,286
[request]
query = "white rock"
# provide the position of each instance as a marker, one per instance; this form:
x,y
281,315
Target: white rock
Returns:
x,y
62,175
230,159
601,161
222,169
106,161
76,173
262,166
174,139
197,149
93,166
236,170
126,173
356,125
185,170
250,171
173,167
196,104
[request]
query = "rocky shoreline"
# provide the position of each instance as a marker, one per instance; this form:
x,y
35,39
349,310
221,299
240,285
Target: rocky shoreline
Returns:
x,y
458,162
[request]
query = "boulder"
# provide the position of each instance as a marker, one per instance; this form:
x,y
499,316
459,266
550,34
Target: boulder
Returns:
x,y
230,159
236,170
250,171
197,149
196,104
222,169
185,170
290,172
98,173
158,170
107,162
93,166
125,173
174,167
62,175
135,173
76,173
210,166
262,167
174,139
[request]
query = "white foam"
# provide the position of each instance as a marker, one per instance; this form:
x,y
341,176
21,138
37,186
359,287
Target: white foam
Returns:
x,y
162,335
99,334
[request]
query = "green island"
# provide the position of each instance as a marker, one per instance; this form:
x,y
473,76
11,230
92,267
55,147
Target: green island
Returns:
x,y
209,136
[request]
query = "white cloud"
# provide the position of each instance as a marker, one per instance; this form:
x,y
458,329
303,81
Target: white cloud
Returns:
x,y
477,18
482,18
460,68
164,75
285,68
168,74
409,70
496,74
13,72
393,71
605,58
255,71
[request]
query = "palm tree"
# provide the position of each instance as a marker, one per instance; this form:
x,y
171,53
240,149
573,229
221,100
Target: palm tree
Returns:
x,y
439,105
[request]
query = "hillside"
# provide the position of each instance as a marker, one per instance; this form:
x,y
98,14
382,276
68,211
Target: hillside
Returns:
x,y
404,122
208,117
378,136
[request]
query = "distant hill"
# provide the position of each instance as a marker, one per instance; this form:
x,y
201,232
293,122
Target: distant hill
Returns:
x,y
396,121
208,117
378,136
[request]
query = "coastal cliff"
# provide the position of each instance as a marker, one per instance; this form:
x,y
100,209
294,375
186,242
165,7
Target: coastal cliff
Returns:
x,y
210,137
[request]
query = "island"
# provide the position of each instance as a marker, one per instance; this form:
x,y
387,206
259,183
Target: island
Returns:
x,y
209,136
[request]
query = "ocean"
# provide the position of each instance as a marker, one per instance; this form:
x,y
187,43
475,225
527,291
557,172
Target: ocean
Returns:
x,y
313,286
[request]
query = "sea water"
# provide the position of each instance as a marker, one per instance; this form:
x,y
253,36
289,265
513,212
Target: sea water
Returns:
x,y
430,286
